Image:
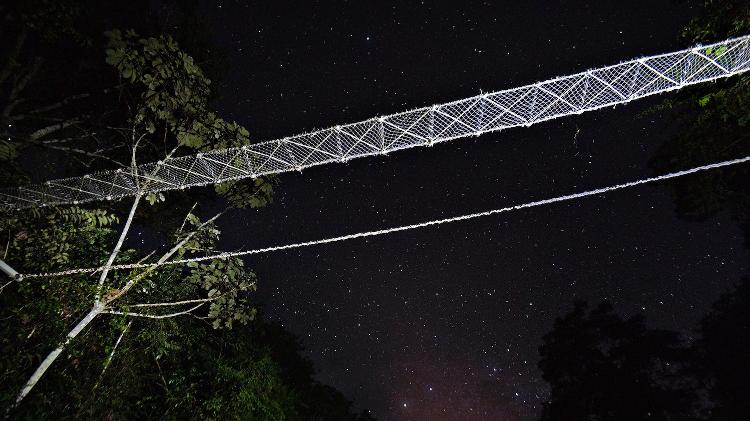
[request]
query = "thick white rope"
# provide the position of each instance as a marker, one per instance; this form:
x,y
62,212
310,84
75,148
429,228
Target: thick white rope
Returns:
x,y
567,197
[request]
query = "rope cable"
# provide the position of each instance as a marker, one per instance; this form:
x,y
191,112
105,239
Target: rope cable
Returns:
x,y
391,230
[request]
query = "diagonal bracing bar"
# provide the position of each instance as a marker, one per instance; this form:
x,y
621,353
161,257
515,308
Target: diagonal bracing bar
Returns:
x,y
523,106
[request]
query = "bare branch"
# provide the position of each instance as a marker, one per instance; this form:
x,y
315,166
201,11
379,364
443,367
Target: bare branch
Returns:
x,y
58,104
111,355
82,152
6,284
17,88
7,245
115,252
100,303
97,308
160,316
13,56
51,129
164,382
174,303
184,221
144,258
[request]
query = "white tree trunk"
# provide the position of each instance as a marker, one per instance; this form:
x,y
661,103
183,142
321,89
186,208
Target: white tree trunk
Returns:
x,y
98,308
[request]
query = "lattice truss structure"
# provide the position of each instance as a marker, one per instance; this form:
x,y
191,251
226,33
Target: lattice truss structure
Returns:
x,y
523,106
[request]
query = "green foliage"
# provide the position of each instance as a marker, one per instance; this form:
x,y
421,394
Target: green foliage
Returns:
x,y
174,89
8,151
257,392
37,314
174,92
58,235
220,360
52,19
718,19
153,198
200,366
173,95
254,193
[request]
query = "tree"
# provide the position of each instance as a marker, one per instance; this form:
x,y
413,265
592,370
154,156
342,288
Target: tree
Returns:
x,y
714,125
602,367
721,354
167,90
153,341
134,363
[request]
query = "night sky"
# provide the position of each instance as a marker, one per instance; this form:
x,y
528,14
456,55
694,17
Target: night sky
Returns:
x,y
445,322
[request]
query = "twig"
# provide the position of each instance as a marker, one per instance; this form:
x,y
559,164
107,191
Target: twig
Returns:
x,y
51,129
82,152
161,260
174,303
6,284
166,388
7,245
111,355
184,221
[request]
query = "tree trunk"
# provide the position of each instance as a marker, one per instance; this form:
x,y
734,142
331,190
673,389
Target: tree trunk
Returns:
x,y
52,356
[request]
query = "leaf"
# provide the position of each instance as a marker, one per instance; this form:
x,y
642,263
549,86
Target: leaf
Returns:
x,y
7,151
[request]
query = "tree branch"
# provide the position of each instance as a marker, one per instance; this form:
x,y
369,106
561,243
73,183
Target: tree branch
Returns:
x,y
161,260
97,308
111,355
80,151
100,303
16,90
174,303
38,134
6,284
52,356
56,105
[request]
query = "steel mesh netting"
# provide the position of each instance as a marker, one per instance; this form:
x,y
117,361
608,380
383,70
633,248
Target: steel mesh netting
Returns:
x,y
425,126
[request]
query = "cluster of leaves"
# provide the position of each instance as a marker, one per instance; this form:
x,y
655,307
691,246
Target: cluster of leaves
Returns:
x,y
60,235
718,19
220,360
188,370
226,281
52,19
37,313
198,365
714,125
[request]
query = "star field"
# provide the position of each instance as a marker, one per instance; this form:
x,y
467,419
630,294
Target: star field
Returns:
x,y
445,322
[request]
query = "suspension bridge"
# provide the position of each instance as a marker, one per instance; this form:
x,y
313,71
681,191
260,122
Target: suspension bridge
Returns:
x,y
426,126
